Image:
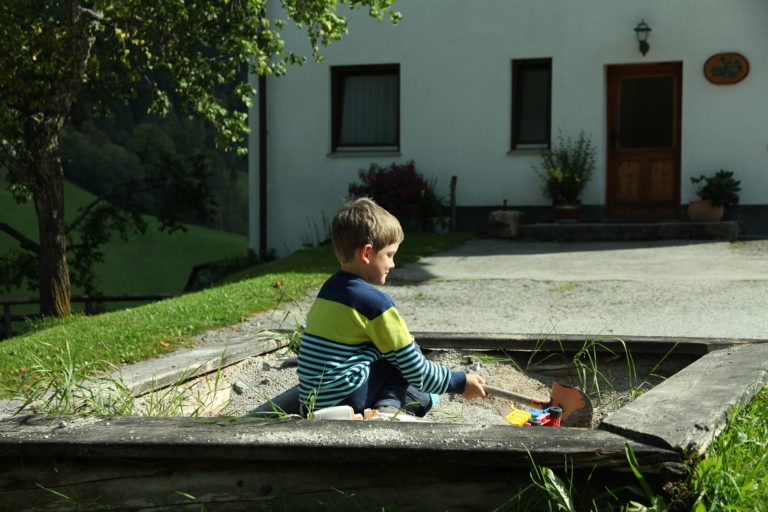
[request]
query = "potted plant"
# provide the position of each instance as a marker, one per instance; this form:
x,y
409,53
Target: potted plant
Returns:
x,y
715,193
565,169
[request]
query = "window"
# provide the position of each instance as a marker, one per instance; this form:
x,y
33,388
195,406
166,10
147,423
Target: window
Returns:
x,y
531,103
365,108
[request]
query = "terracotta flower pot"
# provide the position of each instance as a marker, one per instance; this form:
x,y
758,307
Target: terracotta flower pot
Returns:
x,y
703,211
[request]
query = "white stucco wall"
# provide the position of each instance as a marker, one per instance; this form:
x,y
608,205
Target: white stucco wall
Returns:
x,y
455,83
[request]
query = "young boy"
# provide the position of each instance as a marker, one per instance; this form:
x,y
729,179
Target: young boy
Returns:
x,y
356,349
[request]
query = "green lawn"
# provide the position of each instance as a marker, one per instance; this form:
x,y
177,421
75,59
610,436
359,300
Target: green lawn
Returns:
x,y
154,262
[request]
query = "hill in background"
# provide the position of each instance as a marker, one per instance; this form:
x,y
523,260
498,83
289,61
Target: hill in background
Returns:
x,y
151,263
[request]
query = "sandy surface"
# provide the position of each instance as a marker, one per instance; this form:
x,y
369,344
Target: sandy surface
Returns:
x,y
256,380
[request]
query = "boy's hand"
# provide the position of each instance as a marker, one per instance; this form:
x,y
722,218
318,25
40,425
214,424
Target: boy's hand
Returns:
x,y
474,387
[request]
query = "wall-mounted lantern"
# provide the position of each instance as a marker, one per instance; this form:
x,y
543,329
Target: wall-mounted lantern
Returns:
x,y
641,31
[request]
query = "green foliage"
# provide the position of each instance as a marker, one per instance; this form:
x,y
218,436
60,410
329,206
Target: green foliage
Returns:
x,y
567,167
721,189
657,503
732,476
142,48
115,157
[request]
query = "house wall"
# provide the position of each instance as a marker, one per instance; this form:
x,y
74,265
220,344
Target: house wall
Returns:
x,y
455,105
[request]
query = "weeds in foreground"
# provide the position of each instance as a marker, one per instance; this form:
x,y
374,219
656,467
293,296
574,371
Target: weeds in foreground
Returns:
x,y
65,388
72,498
294,335
184,398
585,361
549,490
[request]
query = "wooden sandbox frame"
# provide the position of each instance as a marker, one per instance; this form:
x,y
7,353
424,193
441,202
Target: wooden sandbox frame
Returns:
x,y
151,463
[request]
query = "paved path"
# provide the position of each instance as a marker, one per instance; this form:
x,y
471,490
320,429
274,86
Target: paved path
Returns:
x,y
634,261
669,288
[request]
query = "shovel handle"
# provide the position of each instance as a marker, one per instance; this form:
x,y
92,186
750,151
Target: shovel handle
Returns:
x,y
510,395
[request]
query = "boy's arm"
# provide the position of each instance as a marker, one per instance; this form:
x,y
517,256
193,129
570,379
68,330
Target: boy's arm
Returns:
x,y
391,336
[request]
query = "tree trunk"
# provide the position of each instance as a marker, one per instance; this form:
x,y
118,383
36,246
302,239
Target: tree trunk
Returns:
x,y
46,179
49,204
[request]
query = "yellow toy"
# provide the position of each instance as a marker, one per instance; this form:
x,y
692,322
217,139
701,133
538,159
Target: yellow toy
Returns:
x,y
518,417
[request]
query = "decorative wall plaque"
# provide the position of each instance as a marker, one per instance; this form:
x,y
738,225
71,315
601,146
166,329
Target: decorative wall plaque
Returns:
x,y
726,68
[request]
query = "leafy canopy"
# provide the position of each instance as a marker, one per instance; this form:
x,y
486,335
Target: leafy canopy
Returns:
x,y
147,48
101,53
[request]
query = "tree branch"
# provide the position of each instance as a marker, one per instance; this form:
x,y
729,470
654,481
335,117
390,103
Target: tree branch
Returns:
x,y
98,16
82,39
85,212
26,243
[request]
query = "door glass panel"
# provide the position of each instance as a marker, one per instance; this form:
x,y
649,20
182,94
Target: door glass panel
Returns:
x,y
646,112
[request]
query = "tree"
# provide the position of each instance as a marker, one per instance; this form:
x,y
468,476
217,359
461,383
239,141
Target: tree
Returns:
x,y
103,52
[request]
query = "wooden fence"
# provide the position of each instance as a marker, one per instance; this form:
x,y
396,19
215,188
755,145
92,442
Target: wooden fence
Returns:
x,y
89,301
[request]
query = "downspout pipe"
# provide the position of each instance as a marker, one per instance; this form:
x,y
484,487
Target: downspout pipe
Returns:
x,y
262,93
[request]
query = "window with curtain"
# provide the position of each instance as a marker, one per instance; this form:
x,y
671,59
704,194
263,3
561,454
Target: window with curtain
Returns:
x,y
531,103
365,107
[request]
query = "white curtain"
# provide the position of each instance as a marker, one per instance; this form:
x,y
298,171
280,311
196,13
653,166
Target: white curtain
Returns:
x,y
369,110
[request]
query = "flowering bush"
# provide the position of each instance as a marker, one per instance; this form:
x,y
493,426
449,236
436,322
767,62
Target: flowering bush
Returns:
x,y
567,167
399,189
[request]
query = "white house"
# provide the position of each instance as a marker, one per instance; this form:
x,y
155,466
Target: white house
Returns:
x,y
474,89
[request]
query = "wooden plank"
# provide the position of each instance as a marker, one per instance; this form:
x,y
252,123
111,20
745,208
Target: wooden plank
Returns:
x,y
143,462
304,440
157,373
574,342
220,486
687,410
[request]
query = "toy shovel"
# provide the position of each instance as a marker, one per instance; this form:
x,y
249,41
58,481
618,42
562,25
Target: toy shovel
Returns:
x,y
577,407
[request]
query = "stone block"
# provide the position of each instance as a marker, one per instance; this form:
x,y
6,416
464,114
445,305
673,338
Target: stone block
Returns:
x,y
505,223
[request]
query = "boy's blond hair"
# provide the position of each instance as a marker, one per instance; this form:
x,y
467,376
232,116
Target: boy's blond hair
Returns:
x,y
362,222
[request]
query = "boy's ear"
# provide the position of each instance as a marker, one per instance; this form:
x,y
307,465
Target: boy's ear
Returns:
x,y
365,253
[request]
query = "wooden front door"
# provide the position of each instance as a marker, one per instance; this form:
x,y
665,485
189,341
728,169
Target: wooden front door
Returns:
x,y
643,158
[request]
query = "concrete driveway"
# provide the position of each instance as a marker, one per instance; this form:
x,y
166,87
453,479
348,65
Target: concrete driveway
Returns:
x,y
634,261
665,288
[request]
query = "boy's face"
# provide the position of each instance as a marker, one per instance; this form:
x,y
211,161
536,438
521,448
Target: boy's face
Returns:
x,y
380,263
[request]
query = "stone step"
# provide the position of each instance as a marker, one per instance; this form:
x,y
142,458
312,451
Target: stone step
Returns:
x,y
628,231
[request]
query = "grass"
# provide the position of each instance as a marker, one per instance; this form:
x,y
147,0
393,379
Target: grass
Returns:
x,y
734,474
143,332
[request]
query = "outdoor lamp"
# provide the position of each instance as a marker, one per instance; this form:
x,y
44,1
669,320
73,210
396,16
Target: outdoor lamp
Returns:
x,y
641,31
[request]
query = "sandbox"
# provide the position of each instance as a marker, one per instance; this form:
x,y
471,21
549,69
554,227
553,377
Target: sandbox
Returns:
x,y
179,463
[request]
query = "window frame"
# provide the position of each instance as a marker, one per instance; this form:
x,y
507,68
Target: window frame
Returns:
x,y
519,66
338,74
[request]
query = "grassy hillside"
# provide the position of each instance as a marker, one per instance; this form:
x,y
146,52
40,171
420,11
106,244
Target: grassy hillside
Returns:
x,y
151,263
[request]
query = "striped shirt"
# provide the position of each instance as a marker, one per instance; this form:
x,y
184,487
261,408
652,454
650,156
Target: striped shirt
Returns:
x,y
352,324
